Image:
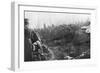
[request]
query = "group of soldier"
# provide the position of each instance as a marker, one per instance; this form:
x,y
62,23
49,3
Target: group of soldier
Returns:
x,y
33,47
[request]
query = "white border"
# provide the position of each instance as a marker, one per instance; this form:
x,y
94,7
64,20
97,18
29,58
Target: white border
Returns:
x,y
18,28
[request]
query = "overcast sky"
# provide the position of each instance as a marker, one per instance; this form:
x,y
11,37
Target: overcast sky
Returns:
x,y
38,19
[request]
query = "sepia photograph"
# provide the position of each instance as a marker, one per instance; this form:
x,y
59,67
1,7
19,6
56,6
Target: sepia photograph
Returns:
x,y
56,36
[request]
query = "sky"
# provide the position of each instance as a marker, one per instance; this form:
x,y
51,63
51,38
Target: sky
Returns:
x,y
38,19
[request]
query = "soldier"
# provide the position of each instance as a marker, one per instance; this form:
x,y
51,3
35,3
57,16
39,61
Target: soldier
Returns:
x,y
36,46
